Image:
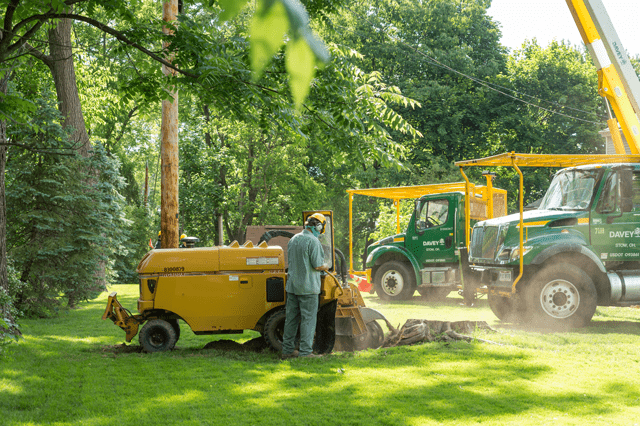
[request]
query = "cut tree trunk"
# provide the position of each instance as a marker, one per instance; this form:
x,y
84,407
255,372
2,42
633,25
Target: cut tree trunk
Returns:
x,y
418,331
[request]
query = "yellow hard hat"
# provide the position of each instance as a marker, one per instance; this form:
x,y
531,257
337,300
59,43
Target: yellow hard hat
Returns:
x,y
183,236
159,232
320,218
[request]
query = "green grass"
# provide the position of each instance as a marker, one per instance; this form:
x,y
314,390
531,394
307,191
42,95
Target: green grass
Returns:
x,y
64,373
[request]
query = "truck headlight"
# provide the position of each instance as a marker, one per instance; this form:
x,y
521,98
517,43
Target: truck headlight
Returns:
x,y
505,255
515,254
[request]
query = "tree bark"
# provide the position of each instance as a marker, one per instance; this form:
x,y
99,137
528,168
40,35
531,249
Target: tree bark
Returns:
x,y
169,151
60,62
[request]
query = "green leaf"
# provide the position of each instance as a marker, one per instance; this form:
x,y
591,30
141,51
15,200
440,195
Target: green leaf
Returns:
x,y
230,8
268,27
300,63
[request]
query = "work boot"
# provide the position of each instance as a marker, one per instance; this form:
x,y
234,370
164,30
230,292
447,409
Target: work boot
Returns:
x,y
293,354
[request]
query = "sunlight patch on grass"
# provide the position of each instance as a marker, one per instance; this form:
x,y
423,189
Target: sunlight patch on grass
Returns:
x,y
75,339
9,387
187,396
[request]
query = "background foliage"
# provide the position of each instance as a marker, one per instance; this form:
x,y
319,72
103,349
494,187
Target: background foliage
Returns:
x,y
270,125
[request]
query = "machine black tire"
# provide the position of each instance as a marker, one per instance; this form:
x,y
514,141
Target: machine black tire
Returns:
x,y
561,295
176,327
157,335
434,294
505,308
274,330
395,281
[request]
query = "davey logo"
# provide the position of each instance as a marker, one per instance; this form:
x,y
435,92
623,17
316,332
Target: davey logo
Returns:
x,y
433,243
625,234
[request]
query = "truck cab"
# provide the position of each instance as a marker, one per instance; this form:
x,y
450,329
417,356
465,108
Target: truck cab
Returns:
x,y
579,249
424,257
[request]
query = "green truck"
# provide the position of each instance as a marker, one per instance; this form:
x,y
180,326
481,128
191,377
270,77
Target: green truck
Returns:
x,y
426,256
580,249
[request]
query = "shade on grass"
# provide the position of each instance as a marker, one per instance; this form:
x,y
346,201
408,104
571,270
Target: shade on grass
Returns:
x,y
64,373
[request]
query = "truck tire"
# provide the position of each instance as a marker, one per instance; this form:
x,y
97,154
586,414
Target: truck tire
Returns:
x,y
505,308
157,335
561,295
274,330
395,281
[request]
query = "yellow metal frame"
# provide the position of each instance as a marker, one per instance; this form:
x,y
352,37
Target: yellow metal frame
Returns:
x,y
516,161
610,84
400,193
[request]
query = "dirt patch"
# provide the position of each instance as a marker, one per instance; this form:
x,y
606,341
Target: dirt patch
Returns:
x,y
254,345
122,349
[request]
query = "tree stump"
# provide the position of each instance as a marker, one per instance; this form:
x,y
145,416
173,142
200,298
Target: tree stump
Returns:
x,y
417,331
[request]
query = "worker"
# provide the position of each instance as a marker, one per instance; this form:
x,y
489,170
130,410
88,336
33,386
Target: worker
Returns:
x,y
306,262
182,243
158,245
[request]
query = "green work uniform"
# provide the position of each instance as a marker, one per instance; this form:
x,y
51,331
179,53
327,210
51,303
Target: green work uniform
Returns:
x,y
303,287
305,254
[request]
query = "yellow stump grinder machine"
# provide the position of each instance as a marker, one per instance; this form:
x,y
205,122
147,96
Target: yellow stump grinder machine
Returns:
x,y
228,289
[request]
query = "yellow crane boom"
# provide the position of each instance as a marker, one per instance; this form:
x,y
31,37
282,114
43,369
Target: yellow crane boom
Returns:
x,y
617,81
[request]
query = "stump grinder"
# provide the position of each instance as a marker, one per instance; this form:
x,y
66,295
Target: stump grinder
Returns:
x,y
228,289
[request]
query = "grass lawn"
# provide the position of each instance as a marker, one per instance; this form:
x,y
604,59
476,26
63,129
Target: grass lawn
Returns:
x,y
64,372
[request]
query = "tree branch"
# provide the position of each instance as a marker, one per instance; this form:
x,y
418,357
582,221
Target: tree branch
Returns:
x,y
120,36
41,150
48,60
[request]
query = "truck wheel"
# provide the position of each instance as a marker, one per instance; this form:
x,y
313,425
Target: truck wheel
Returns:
x,y
434,294
561,295
505,308
274,330
157,335
395,281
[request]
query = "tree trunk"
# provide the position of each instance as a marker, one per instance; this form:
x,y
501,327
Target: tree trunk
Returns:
x,y
169,201
60,62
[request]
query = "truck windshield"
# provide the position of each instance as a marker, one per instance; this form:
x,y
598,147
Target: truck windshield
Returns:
x,y
570,190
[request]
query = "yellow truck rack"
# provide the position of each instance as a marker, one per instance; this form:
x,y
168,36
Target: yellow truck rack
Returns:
x,y
487,202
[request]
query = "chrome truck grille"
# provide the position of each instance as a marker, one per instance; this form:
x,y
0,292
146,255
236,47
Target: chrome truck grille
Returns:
x,y
485,242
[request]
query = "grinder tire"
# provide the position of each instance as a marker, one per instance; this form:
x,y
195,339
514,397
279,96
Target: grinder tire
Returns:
x,y
274,330
157,335
176,327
